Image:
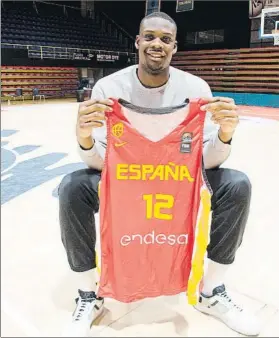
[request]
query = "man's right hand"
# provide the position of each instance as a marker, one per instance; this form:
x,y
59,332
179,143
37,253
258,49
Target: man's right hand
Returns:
x,y
91,114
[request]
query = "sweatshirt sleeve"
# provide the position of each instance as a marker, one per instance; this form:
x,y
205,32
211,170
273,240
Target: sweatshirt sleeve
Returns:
x,y
94,157
215,152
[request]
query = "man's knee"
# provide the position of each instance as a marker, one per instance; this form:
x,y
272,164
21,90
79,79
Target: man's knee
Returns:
x,y
230,214
79,184
240,186
70,185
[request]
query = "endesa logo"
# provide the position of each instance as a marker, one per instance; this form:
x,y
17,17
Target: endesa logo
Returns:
x,y
152,238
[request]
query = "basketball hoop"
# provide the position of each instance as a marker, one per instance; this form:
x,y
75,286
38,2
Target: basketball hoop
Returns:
x,y
270,24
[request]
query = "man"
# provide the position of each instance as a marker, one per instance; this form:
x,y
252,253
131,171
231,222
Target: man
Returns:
x,y
153,83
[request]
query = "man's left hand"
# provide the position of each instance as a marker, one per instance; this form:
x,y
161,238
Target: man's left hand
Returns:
x,y
224,113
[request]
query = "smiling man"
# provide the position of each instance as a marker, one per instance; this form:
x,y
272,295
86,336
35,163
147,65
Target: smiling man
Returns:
x,y
155,57
153,83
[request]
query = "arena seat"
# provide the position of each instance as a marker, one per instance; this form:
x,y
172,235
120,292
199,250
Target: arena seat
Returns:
x,y
247,70
50,81
30,28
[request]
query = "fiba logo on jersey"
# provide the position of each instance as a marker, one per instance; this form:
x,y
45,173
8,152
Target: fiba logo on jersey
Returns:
x,y
186,142
118,129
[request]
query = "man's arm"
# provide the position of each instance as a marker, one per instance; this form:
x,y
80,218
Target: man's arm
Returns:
x,y
215,151
92,151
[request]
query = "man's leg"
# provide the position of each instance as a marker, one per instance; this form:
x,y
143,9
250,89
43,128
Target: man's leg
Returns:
x,y
78,201
230,210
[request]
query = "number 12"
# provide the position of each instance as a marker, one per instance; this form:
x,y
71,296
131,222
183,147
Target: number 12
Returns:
x,y
154,204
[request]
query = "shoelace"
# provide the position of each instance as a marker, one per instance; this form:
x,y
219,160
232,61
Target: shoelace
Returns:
x,y
82,307
231,303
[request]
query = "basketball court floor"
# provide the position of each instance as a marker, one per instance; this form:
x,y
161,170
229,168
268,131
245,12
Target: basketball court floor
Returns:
x,y
38,148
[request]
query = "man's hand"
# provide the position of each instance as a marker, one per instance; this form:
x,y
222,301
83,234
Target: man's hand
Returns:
x,y
91,114
224,113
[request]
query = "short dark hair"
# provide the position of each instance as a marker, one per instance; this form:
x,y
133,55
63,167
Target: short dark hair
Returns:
x,y
160,15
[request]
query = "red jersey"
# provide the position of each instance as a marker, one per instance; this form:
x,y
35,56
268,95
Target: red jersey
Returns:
x,y
154,204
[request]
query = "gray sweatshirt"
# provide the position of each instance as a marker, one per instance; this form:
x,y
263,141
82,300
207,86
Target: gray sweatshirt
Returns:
x,y
180,86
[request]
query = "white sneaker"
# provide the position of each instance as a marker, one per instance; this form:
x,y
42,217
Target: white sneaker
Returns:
x,y
221,306
88,309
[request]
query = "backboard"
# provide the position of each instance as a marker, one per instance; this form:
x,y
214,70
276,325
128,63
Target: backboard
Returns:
x,y
270,22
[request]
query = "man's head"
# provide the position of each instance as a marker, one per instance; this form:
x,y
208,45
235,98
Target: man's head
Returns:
x,y
156,42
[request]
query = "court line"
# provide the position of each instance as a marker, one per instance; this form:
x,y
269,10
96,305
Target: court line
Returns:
x,y
24,325
5,176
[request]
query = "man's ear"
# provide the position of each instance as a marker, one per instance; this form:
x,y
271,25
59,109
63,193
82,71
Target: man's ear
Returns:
x,y
174,48
137,42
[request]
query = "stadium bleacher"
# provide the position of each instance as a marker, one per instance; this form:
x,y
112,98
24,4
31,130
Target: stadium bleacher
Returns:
x,y
253,70
53,32
248,75
23,26
50,81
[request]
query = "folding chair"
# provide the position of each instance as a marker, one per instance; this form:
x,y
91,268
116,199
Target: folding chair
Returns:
x,y
18,94
36,93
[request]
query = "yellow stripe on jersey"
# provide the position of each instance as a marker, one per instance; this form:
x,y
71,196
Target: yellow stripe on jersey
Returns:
x,y
200,247
97,263
96,254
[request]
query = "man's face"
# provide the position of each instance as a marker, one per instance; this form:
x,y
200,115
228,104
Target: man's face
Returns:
x,y
156,44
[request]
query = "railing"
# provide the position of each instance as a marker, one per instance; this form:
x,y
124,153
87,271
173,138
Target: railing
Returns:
x,y
51,52
119,27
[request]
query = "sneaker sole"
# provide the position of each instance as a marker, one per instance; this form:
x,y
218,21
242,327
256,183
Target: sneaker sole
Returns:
x,y
97,319
222,321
